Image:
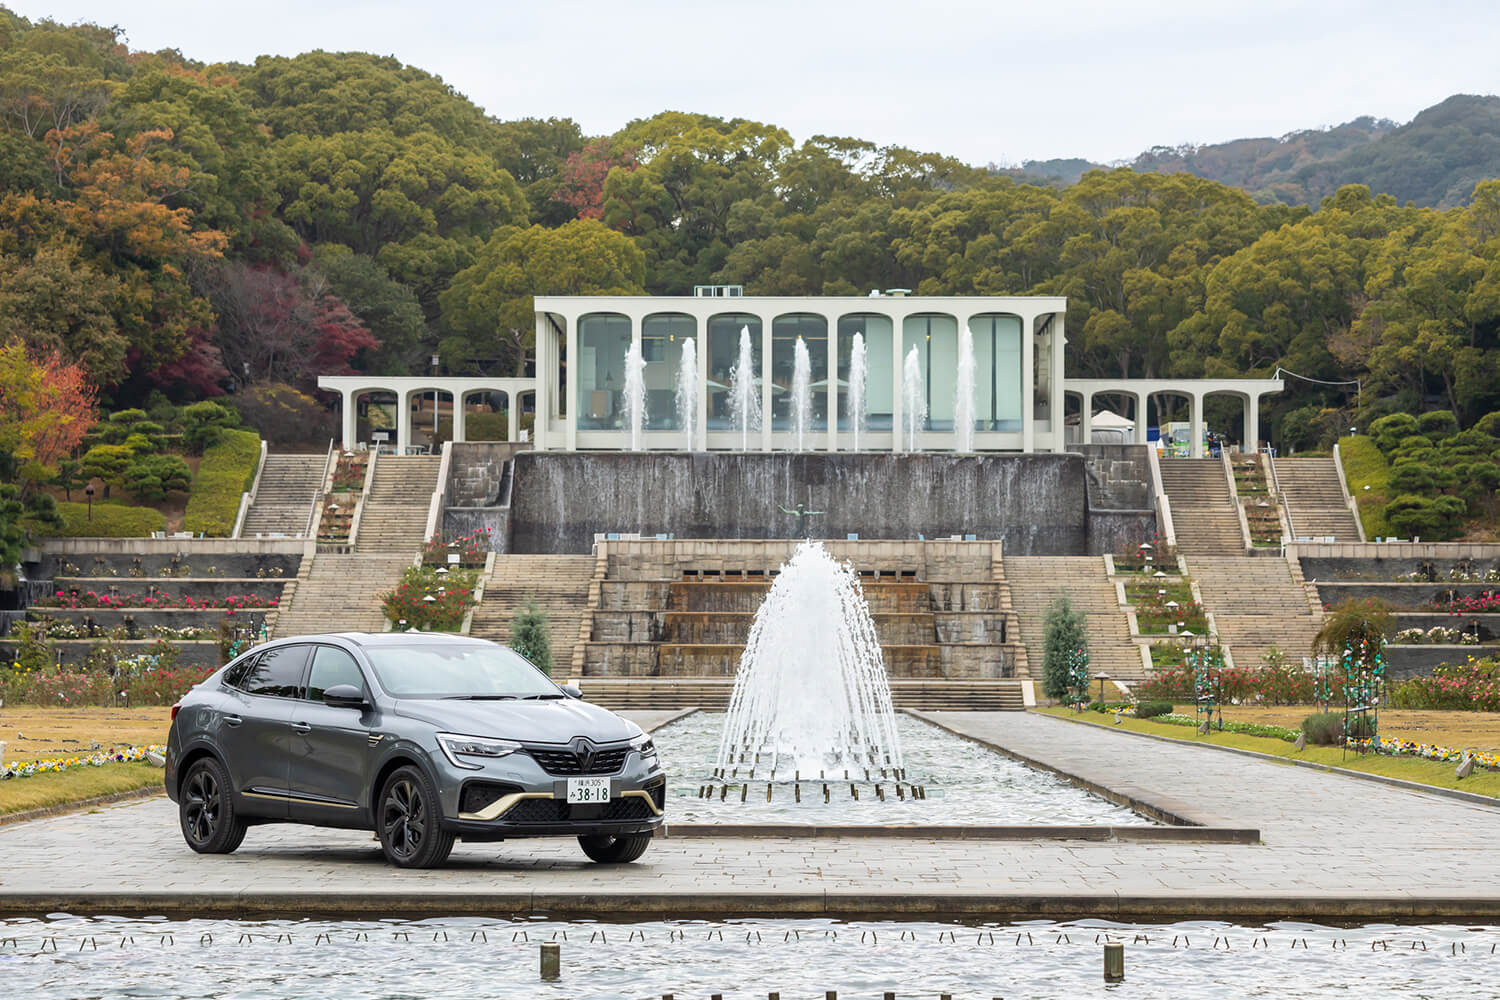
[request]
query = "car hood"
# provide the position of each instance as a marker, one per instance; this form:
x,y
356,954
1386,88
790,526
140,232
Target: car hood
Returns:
x,y
551,721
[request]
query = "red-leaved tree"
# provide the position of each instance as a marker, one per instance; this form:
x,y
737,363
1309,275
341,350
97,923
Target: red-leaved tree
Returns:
x,y
46,407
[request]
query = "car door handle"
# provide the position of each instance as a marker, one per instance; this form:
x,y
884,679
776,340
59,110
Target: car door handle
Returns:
x,y
233,720
301,727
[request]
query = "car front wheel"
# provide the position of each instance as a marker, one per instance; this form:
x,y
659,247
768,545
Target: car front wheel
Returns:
x,y
615,850
206,809
410,821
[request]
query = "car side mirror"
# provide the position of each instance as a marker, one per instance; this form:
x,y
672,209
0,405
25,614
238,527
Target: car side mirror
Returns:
x,y
344,696
572,691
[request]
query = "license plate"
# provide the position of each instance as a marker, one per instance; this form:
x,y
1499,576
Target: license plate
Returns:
x,y
588,790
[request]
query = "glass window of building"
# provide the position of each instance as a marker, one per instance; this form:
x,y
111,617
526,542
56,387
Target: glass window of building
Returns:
x,y
935,338
662,337
880,382
785,330
723,354
997,372
603,340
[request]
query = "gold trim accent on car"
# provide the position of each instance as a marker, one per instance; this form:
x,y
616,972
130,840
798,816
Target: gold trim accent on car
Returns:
x,y
642,794
302,799
502,805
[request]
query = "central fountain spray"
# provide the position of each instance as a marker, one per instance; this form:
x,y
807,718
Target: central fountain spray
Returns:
x,y
913,399
635,392
963,395
857,377
811,693
687,391
801,392
744,399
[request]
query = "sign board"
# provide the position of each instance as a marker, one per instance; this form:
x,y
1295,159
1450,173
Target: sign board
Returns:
x,y
380,436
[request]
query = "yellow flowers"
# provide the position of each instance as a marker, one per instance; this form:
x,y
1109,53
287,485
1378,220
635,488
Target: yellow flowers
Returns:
x,y
25,769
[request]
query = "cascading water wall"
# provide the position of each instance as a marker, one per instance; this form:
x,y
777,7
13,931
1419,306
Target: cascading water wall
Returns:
x,y
858,373
744,392
811,692
913,400
635,392
801,393
963,394
687,391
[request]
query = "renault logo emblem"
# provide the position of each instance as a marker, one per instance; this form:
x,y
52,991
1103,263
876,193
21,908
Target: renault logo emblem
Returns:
x,y
584,750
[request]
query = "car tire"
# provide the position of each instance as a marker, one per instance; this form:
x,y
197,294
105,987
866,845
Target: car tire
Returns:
x,y
409,821
609,850
205,809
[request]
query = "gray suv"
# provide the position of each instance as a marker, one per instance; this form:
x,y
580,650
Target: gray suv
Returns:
x,y
422,738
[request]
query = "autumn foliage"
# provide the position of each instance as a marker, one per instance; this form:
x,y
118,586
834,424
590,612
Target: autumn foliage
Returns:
x,y
46,408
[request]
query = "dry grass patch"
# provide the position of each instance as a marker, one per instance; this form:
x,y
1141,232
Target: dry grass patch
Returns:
x,y
1460,730
39,733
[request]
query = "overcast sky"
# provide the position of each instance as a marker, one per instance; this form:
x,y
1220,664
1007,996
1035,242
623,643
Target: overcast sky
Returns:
x,y
984,81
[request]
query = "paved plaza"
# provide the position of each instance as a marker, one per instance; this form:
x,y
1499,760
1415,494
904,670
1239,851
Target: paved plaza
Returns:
x,y
1333,847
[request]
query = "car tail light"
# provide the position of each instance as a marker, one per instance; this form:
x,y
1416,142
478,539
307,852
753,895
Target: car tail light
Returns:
x,y
175,709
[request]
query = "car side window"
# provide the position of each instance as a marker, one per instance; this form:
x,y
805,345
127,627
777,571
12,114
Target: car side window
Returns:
x,y
278,672
235,676
332,666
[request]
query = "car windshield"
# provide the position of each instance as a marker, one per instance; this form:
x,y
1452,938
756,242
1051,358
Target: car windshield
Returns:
x,y
433,670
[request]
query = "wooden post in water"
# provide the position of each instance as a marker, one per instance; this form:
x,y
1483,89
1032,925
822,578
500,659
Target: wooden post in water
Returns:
x,y
1114,962
551,960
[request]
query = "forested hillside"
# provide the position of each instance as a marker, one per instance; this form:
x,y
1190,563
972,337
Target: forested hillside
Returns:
x,y
184,231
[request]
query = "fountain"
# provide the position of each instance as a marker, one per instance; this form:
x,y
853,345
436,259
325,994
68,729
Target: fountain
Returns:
x,y
801,393
811,693
744,397
635,392
913,399
687,390
857,378
963,394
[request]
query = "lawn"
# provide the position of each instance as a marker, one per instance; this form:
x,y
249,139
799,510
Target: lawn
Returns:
x,y
41,791
1426,772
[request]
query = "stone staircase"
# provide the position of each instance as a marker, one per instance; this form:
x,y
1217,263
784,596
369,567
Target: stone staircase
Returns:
x,y
1257,603
290,486
1037,581
1203,509
1314,499
394,515
339,593
560,586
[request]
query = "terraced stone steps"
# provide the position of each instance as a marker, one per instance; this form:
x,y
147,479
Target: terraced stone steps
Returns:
x,y
560,586
290,486
339,593
393,517
1203,508
1036,581
1314,498
1257,603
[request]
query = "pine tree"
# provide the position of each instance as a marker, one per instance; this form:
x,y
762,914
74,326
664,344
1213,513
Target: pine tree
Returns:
x,y
531,636
1063,635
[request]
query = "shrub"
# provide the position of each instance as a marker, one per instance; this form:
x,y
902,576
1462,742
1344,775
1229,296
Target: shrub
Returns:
x,y
284,416
109,520
1325,729
451,593
1466,687
1063,633
153,477
1432,518
1388,431
1368,476
1151,709
203,424
1350,623
531,636
1437,424
227,470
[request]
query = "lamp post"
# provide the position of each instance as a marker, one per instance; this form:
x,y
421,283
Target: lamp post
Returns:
x,y
88,491
435,362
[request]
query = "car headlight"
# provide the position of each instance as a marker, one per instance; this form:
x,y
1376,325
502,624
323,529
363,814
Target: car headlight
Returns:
x,y
456,747
643,745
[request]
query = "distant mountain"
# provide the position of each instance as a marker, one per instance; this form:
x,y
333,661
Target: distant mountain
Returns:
x,y
1435,159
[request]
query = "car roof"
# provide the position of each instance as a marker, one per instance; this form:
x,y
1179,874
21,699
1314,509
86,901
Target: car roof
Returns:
x,y
376,639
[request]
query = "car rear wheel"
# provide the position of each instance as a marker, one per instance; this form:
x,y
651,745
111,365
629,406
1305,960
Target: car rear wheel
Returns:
x,y
206,809
410,822
615,850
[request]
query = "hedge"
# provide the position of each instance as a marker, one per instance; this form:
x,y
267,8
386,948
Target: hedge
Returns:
x,y
1364,465
109,520
226,471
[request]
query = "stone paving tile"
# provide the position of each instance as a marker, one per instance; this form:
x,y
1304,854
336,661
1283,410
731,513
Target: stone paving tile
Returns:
x,y
1326,838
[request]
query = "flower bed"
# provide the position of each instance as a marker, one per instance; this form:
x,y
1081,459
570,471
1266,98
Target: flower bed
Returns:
x,y
1146,557
1467,604
1242,685
1438,635
1467,687
91,599
135,682
25,768
1154,616
349,473
432,600
1427,751
471,549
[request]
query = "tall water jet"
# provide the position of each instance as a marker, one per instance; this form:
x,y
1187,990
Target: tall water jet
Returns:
x,y
913,399
687,391
744,394
811,692
801,393
858,373
635,392
963,393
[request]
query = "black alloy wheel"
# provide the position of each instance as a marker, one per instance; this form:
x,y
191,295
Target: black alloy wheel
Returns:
x,y
410,823
615,850
206,810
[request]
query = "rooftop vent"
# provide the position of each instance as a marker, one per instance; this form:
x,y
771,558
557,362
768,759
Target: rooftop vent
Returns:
x,y
718,291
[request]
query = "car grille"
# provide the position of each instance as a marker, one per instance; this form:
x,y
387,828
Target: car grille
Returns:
x,y
558,811
565,762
